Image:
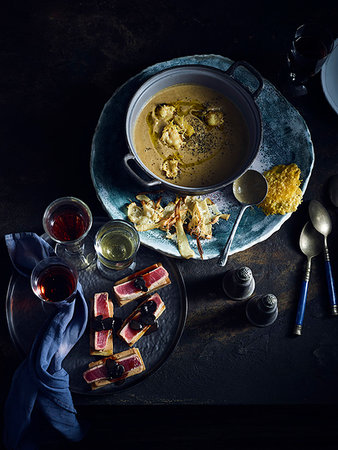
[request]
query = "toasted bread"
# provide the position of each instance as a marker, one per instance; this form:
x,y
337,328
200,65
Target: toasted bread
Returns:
x,y
135,314
118,357
124,299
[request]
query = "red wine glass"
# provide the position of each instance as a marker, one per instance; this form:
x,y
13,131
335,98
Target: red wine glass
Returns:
x,y
67,221
310,47
54,281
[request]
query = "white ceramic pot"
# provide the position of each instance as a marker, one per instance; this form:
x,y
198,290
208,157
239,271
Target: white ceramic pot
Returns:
x,y
222,82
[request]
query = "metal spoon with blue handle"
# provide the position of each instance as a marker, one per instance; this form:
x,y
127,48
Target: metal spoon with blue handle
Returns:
x,y
322,222
311,244
249,189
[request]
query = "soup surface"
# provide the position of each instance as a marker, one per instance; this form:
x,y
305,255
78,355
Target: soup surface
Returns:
x,y
191,135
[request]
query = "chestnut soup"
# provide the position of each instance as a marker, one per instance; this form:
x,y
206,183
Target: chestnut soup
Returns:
x,y
191,135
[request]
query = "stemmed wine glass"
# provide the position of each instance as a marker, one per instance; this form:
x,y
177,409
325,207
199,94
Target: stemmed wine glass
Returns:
x,y
310,47
54,282
67,221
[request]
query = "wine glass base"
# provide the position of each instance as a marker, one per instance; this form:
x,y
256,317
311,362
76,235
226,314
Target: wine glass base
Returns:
x,y
79,257
291,88
297,90
114,274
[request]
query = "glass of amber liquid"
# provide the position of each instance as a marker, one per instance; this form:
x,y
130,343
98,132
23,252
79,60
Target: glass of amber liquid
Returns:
x,y
116,245
54,281
67,222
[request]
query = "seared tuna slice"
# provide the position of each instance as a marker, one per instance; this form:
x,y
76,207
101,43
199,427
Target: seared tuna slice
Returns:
x,y
115,368
141,283
140,320
101,334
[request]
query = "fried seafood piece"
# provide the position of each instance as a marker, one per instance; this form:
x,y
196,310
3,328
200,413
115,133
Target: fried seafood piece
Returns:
x,y
170,167
214,118
184,125
165,112
172,136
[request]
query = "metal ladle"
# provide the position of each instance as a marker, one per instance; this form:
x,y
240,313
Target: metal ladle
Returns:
x,y
249,189
311,244
321,220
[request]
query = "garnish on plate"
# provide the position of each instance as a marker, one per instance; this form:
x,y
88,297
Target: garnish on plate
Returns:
x,y
284,194
190,214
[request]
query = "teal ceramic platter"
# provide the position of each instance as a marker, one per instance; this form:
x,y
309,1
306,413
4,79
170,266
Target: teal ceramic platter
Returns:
x,y
286,140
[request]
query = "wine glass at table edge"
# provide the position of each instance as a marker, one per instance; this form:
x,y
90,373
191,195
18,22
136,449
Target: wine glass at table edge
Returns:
x,y
309,49
54,281
67,221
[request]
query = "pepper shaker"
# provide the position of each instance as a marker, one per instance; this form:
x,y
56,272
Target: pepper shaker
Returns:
x,y
238,284
262,311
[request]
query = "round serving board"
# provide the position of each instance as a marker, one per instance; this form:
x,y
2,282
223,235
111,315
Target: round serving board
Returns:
x,y
26,314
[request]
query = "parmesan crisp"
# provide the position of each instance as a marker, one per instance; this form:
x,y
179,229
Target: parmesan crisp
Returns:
x,y
284,194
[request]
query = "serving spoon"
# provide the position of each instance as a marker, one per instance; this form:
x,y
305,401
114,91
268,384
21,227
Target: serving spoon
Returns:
x,y
321,220
249,189
311,244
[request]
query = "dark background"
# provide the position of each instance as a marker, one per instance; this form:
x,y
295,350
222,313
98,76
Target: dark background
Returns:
x,y
60,62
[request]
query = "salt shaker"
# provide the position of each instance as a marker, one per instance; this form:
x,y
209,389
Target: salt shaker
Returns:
x,y
262,310
239,284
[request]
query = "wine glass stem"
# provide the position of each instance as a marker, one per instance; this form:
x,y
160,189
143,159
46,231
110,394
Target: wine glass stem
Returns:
x,y
76,248
73,249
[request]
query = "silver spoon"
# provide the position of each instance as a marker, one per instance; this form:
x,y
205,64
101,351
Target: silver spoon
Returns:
x,y
311,244
249,189
321,220
333,190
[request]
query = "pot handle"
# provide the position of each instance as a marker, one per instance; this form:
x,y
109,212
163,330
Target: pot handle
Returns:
x,y
148,184
253,71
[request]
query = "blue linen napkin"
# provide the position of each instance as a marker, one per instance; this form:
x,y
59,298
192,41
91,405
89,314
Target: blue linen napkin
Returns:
x,y
40,385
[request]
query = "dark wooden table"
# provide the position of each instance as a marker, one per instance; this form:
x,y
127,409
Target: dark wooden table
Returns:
x,y
227,382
